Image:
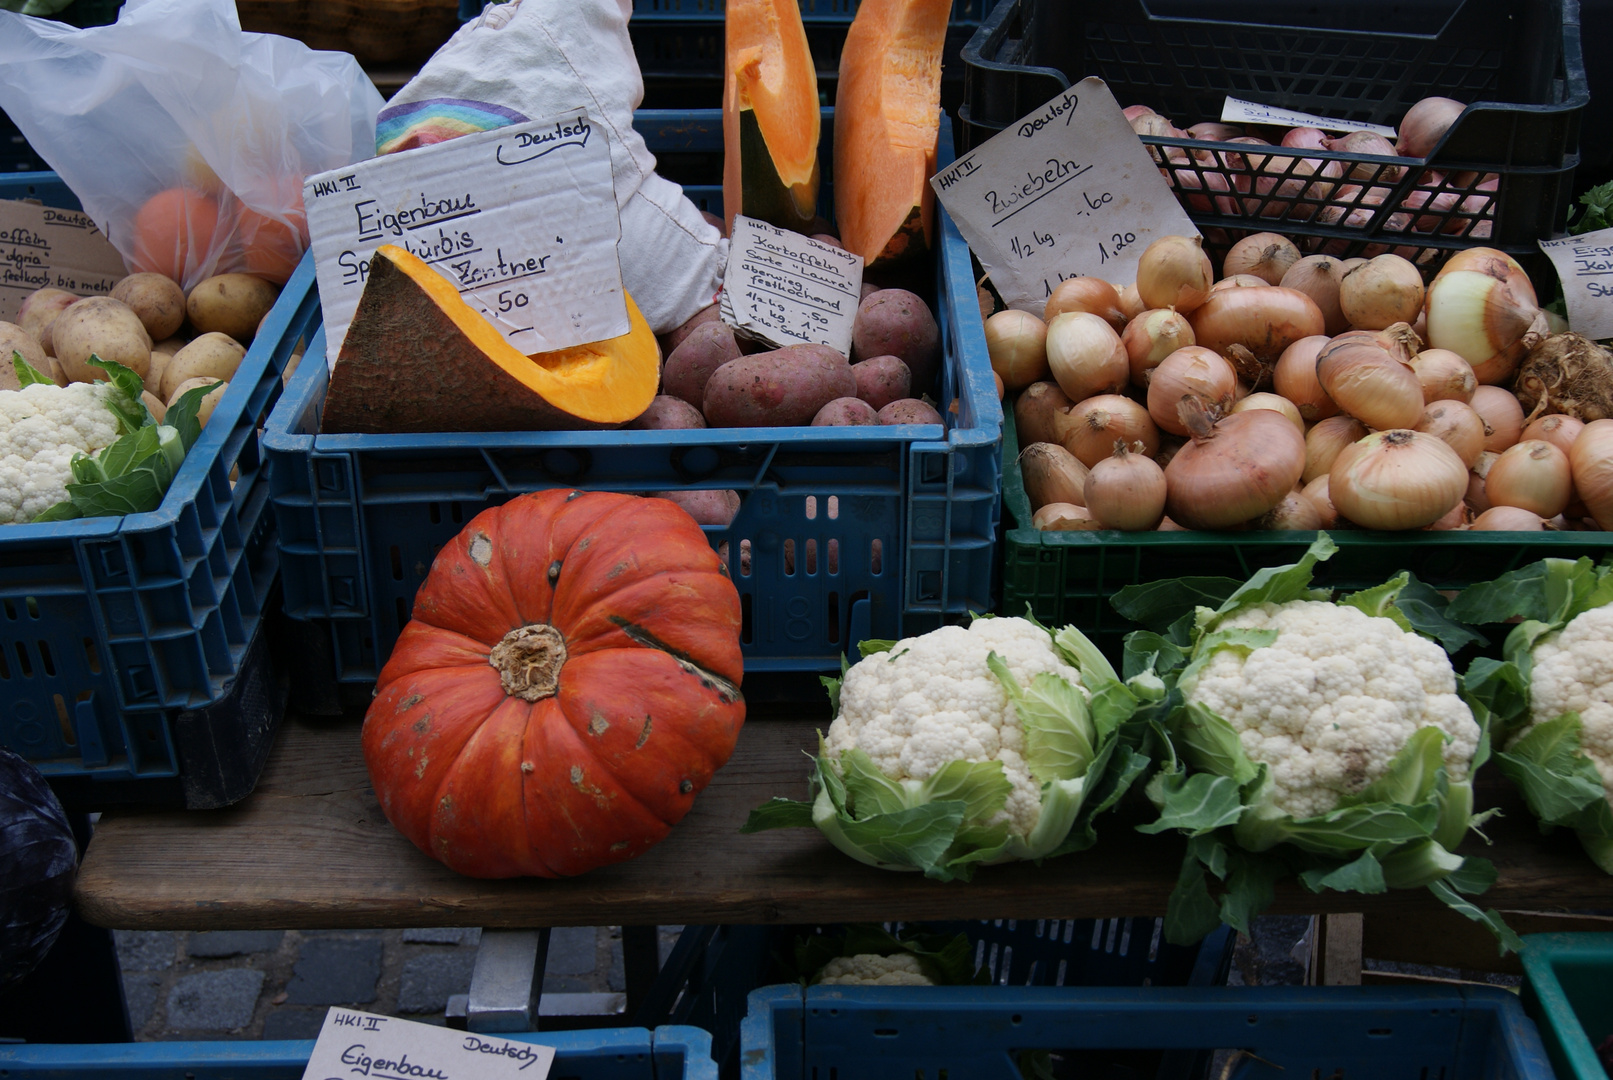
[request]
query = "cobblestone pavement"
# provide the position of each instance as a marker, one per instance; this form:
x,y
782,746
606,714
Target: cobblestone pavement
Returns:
x,y
278,984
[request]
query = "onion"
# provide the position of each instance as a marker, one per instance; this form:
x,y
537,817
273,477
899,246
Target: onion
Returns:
x,y
1151,337
1193,183
1385,291
1034,409
1476,498
1591,461
1318,277
1086,355
1486,260
1288,178
1127,489
1370,379
1194,372
1558,429
1444,376
1064,517
1052,475
1134,111
1016,341
1324,442
1233,470
1397,479
1265,255
1265,319
1457,425
1295,513
1275,403
1425,124
1507,519
1455,518
1316,493
1488,321
1086,294
1305,138
1213,131
1174,272
1502,416
1243,161
1533,475
1237,281
1294,378
1090,428
1369,144
1131,304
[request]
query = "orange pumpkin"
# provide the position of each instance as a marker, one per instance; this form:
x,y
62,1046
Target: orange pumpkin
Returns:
x,y
568,684
173,233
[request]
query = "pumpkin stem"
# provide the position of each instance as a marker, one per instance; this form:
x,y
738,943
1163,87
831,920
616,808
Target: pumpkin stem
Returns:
x,y
528,661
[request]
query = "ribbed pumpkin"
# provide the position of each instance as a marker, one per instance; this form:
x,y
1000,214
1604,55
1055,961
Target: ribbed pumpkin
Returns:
x,y
568,683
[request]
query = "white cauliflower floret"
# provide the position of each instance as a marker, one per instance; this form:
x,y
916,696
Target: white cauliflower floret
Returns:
x,y
932,700
871,969
1573,672
1329,703
41,427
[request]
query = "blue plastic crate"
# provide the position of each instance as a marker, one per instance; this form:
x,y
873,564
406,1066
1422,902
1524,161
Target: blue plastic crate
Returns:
x,y
120,637
844,533
667,1053
1275,1033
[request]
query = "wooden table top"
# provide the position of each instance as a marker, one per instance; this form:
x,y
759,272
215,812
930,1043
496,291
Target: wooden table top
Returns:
x,y
311,849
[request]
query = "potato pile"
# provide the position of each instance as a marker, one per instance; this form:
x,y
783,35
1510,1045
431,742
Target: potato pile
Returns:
x,y
172,341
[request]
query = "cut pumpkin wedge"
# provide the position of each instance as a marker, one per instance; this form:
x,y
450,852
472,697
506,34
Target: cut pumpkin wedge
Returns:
x,y
418,358
887,116
769,115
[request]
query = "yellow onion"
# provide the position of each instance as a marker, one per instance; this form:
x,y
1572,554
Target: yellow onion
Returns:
x,y
1086,355
1086,294
1507,519
1485,260
1034,409
1051,474
1131,304
1089,429
1455,518
1265,255
1275,402
1396,479
1263,319
1294,378
1559,429
1367,374
1126,490
1174,272
1425,124
1591,460
1233,470
1016,342
1167,525
1502,415
1295,513
1318,277
1387,290
1487,321
1444,375
1326,439
1192,371
1237,281
1532,475
1316,492
1151,337
1476,499
1457,425
1064,517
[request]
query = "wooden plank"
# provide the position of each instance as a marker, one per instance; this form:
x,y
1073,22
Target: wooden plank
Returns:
x,y
1339,949
1467,946
311,849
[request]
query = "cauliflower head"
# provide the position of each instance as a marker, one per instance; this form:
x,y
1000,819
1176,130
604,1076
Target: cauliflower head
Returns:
x,y
872,969
1573,672
1332,700
932,700
41,427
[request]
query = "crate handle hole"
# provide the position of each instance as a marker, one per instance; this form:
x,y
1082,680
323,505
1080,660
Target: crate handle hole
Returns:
x,y
812,556
92,657
812,507
1016,1019
434,513
23,665
45,660
33,606
744,558
834,556
64,720
396,555
11,610
876,553
834,507
789,558
745,626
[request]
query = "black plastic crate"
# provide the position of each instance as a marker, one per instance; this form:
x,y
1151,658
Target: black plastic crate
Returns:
x,y
1517,63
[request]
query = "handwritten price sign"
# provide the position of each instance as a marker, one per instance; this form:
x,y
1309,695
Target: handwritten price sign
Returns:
x,y
356,1045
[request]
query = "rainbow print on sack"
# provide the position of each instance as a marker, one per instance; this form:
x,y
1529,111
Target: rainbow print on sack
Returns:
x,y
435,120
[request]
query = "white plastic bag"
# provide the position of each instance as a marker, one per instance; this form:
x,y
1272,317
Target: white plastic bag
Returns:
x,y
532,58
187,140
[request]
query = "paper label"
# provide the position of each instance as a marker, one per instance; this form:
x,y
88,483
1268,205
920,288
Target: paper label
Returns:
x,y
355,1045
1067,191
43,247
1237,111
1585,267
521,219
787,289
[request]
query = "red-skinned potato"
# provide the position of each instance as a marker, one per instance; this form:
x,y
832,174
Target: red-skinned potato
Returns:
x,y
707,506
882,380
706,348
909,411
895,322
783,388
667,413
673,338
846,412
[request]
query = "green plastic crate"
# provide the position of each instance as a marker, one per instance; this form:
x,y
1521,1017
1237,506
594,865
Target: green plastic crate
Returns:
x,y
1068,577
1568,990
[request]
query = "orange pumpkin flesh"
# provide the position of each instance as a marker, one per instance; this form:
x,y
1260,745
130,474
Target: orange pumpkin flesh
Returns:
x,y
568,684
770,115
416,357
887,115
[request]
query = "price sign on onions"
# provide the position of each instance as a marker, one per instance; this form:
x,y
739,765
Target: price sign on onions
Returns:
x,y
1069,190
1585,265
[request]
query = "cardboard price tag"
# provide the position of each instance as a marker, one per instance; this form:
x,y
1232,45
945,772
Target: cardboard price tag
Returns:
x,y
787,289
521,219
1237,111
43,247
1584,265
355,1044
1069,190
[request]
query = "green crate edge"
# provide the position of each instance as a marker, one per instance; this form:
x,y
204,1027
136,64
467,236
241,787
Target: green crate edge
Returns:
x,y
1571,1048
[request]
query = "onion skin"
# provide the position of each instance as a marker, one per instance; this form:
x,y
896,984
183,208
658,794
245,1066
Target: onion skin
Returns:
x,y
1016,342
1294,378
1318,277
1502,416
1263,319
1086,355
1086,294
1387,290
1559,429
1151,337
1484,320
1316,493
1369,382
1476,499
1532,476
1457,425
1398,479
1034,409
1052,474
1126,491
1131,303
1276,403
1295,513
1455,518
1243,469
1175,272
1507,519
1444,376
1191,371
1591,461
1266,255
1064,517
1326,440
1090,428
1425,124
